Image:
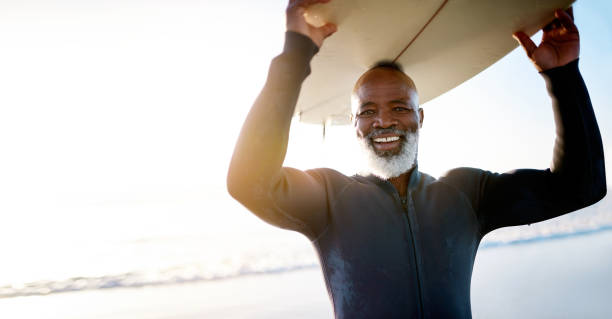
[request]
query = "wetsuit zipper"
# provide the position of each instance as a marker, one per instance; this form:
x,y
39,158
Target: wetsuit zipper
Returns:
x,y
407,204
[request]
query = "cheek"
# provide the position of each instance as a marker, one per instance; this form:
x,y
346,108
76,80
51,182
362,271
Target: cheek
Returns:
x,y
412,121
361,128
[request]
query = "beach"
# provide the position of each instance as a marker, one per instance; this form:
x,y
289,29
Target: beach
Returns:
x,y
567,277
114,179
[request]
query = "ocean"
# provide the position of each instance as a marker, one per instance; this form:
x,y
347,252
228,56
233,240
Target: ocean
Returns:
x,y
53,267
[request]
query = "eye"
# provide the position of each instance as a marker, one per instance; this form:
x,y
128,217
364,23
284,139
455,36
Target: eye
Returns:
x,y
366,113
402,109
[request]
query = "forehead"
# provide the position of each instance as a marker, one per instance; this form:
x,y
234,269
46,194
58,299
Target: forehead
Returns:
x,y
382,85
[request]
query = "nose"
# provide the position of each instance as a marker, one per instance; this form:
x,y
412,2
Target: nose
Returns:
x,y
385,120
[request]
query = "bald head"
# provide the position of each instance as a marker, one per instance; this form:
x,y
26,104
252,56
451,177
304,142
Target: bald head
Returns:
x,y
378,71
383,78
390,66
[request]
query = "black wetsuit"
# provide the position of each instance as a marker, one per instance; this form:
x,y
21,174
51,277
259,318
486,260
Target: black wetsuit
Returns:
x,y
389,257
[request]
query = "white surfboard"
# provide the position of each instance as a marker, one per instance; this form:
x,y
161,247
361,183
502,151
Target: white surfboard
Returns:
x,y
440,43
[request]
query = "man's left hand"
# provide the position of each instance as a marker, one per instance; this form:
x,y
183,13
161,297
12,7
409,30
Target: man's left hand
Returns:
x,y
560,42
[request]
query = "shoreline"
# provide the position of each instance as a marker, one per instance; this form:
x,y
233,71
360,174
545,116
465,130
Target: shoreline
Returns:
x,y
136,280
561,278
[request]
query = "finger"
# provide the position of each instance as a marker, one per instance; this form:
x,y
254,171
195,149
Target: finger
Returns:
x,y
298,7
566,20
552,25
306,3
525,42
295,13
570,11
327,30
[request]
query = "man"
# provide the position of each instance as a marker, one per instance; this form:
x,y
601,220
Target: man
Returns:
x,y
398,243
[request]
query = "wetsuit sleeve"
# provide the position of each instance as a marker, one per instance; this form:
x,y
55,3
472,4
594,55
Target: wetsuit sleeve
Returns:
x,y
575,179
285,197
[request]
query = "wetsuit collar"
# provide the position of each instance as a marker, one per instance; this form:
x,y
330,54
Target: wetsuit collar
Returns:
x,y
413,179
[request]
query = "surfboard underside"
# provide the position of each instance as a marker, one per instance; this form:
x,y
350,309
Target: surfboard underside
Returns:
x,y
439,43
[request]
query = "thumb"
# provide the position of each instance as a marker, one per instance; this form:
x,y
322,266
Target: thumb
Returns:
x,y
525,42
327,30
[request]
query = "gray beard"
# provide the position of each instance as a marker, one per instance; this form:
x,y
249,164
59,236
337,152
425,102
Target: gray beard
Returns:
x,y
386,165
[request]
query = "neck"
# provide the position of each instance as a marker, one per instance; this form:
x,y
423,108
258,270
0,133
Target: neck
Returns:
x,y
401,182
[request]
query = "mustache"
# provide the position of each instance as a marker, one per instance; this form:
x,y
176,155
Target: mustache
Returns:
x,y
390,130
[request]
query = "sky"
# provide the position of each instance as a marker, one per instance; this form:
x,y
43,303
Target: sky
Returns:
x,y
118,118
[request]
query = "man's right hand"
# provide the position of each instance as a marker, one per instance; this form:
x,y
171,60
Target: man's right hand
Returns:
x,y
296,21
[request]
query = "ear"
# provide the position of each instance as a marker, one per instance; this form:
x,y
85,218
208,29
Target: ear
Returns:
x,y
421,116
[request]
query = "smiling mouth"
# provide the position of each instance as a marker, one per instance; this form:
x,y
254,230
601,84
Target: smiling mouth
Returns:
x,y
386,139
387,145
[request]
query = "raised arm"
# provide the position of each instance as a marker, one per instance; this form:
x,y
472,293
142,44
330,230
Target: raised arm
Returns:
x,y
576,177
285,197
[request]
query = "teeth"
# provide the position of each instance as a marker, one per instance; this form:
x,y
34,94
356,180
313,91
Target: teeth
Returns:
x,y
386,139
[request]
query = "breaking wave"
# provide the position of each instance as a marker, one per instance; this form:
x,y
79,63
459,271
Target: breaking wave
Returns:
x,y
263,256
